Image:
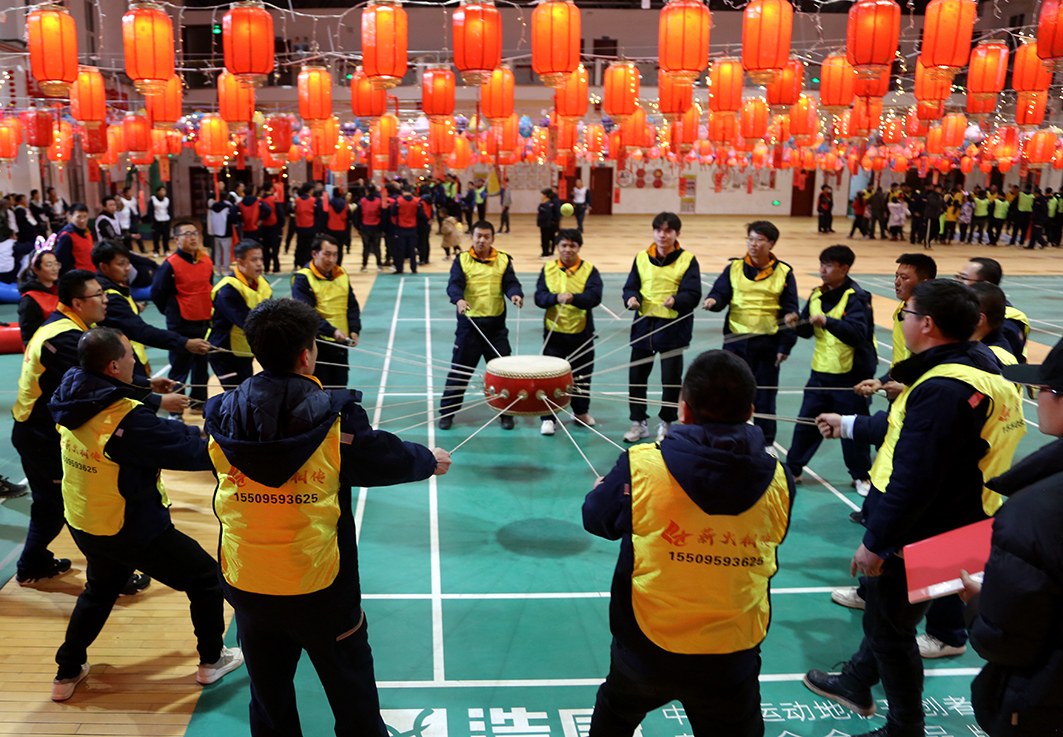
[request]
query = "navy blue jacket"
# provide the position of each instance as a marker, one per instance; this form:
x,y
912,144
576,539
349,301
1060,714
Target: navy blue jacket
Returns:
x,y
588,299
229,309
788,301
164,296
120,316
687,299
301,291
456,290
64,246
856,328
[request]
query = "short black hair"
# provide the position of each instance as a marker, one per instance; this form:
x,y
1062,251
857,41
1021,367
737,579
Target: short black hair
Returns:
x,y
838,254
992,302
98,347
320,239
925,267
953,306
79,207
668,218
244,246
719,387
72,285
105,200
989,269
569,234
178,222
764,228
483,225
107,251
278,330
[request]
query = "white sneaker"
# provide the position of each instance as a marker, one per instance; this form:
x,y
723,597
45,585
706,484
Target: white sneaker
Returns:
x,y
636,432
863,487
931,647
63,689
770,450
663,429
847,597
547,428
231,659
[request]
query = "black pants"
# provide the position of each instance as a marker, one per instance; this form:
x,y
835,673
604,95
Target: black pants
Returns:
x,y
1037,234
184,364
330,376
370,244
760,353
826,222
481,210
563,345
978,225
173,559
161,232
945,620
546,240
304,239
468,217
918,234
671,379
581,213
807,439
271,247
289,234
469,348
996,227
950,231
39,450
503,222
405,249
858,225
1019,226
231,370
933,229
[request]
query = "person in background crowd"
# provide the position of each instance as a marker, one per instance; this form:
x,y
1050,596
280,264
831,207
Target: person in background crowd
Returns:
x,y
11,254
40,212
222,222
57,209
73,245
406,213
129,220
505,196
859,208
369,217
999,213
825,209
979,215
305,213
899,213
40,295
271,227
253,212
581,203
160,221
108,228
339,219
546,221
27,227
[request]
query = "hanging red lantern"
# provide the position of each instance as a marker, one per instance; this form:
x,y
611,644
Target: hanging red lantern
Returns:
x,y
247,42
725,86
872,35
62,147
10,138
175,142
324,138
461,156
477,27
867,112
136,133
594,138
753,122
504,135
914,125
39,128
147,37
388,125
1030,108
930,87
988,69
683,39
930,110
496,94
1040,148
804,117
441,135
278,134
93,140
674,96
213,141
684,131
165,109
1029,73
416,158
341,160
981,105
868,87
115,146
785,88
947,31
935,143
567,134
159,145
779,129
621,93
966,164
837,83
723,128
842,127
634,132
366,100
384,43
892,131
51,36
953,127
1050,34
315,94
556,34
236,102
571,99
767,27
88,98
437,92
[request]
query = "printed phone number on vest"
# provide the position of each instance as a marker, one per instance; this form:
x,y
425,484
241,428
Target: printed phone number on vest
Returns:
x,y
253,497
715,560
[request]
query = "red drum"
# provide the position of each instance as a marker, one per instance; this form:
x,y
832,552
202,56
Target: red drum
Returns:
x,y
10,338
530,380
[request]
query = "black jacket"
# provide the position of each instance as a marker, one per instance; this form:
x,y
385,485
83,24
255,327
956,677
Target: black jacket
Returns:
x,y
30,314
122,317
855,328
687,299
723,293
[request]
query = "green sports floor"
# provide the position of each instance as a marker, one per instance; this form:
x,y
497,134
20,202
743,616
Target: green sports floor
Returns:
x,y
486,600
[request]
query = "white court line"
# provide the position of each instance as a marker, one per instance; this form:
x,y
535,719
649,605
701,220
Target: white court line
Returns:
x,y
557,595
161,371
438,661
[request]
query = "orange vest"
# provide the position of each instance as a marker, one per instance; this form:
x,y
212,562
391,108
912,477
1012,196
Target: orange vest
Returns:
x,y
47,301
407,211
304,212
250,215
337,220
81,250
272,219
371,211
192,281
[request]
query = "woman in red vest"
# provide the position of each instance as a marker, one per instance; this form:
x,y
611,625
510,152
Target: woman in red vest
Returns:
x,y
37,284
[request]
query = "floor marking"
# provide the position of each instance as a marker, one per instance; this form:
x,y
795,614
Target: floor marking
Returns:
x,y
161,371
556,595
438,660
820,479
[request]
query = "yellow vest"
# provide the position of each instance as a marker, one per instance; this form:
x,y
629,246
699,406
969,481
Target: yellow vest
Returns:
x,y
483,284
660,282
91,500
1014,313
699,584
237,340
1002,431
331,295
1003,355
138,348
29,381
900,348
831,355
755,304
280,541
567,319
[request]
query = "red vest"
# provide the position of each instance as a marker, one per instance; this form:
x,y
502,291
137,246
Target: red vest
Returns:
x,y
407,211
337,220
250,214
81,250
47,301
193,286
272,202
371,212
304,212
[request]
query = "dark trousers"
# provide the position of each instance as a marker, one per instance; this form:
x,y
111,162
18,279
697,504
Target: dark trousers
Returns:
x,y
760,353
807,439
469,348
826,222
405,249
330,376
160,232
859,224
546,240
481,210
918,234
563,345
173,559
1054,230
503,222
184,364
950,231
231,370
1019,226
304,239
717,704
996,227
978,225
581,213
424,231
671,379
271,247
468,217
1037,234
39,450
289,233
945,620
888,651
370,244
933,229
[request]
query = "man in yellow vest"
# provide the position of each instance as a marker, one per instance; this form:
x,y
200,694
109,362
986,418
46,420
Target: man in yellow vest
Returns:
x,y
1016,326
113,450
699,517
569,289
286,454
481,280
326,287
761,292
234,297
955,425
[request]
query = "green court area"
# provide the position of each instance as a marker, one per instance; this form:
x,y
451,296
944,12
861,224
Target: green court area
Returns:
x,y
487,602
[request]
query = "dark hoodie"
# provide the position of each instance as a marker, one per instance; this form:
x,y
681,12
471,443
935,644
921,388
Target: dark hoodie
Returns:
x,y
120,315
142,445
724,470
271,424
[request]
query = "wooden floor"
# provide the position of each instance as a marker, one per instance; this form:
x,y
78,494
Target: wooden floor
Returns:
x,y
143,664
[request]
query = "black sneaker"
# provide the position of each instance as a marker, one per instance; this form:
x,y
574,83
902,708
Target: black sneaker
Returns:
x,y
507,422
57,567
843,689
446,422
136,583
856,517
10,490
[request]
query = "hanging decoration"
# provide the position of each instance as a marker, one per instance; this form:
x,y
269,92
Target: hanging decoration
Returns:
x,y
51,36
496,94
247,42
837,83
437,92
683,39
88,98
315,94
570,99
725,85
384,43
366,100
620,97
872,35
236,101
947,31
767,28
786,87
674,96
165,109
477,30
556,34
147,37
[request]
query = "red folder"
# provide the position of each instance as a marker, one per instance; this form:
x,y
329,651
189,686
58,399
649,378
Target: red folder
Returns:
x,y
933,565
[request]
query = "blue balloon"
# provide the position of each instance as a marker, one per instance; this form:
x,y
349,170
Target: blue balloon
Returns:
x,y
525,126
608,124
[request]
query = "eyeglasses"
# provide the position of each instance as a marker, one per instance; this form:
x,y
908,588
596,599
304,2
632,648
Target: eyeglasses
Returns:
x,y
967,279
902,313
94,296
188,234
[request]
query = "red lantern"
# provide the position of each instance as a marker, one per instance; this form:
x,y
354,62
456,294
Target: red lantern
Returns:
x,y
930,87
341,160
1050,33
39,127
441,135
785,88
935,140
10,138
779,130
136,133
278,133
1029,74
496,94
315,94
981,105
594,138
556,34
247,42
988,69
62,147
634,133
872,34
684,131
165,109
437,92
147,36
366,100
1041,147
767,27
504,135
753,122
867,111
324,138
804,117
683,39
384,43
868,87
461,156
175,142
725,86
88,98
566,135
236,102
914,125
159,145
674,96
115,146
1030,108
930,110
213,139
837,83
416,158
723,128
953,128
477,27
51,36
947,32
570,99
621,94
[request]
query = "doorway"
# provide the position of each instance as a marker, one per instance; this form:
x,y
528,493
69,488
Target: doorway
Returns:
x,y
601,190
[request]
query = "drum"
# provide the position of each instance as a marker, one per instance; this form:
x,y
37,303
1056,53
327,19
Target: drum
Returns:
x,y
529,379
